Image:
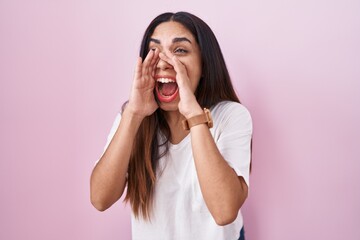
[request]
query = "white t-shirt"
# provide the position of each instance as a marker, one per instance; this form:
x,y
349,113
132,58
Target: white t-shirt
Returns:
x,y
180,212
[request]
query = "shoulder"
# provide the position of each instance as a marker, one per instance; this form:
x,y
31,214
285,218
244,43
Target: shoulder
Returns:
x,y
231,121
231,117
228,109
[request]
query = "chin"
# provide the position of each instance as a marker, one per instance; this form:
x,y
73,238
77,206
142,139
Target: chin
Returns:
x,y
169,106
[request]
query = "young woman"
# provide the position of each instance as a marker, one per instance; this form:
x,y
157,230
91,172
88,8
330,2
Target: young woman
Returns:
x,y
181,145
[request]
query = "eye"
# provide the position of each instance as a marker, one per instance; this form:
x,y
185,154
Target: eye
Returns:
x,y
181,51
153,47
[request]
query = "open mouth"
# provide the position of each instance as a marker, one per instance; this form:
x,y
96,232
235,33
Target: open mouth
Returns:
x,y
166,89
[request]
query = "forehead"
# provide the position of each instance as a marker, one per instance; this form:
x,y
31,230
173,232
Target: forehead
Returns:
x,y
169,30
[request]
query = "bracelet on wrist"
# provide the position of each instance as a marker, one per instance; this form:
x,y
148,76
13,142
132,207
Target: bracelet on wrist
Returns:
x,y
205,117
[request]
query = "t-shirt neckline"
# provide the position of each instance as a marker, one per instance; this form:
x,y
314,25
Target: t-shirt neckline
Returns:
x,y
181,143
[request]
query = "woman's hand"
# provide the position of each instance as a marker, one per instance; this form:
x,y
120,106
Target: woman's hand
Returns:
x,y
188,105
142,101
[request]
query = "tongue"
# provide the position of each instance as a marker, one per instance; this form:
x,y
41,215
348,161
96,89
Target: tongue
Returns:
x,y
168,89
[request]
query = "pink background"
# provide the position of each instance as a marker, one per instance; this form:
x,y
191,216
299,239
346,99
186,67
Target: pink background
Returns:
x,y
66,68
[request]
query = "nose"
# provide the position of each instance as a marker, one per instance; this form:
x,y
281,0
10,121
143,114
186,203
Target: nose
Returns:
x,y
163,65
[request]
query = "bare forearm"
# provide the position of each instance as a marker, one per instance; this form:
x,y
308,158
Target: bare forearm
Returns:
x,y
222,189
108,178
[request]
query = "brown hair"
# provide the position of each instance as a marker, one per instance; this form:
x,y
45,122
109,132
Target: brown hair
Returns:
x,y
214,86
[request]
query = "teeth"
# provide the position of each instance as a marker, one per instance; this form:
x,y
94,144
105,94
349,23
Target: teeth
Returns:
x,y
165,80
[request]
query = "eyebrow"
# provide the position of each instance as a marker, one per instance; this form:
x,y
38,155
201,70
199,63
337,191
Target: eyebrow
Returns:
x,y
175,40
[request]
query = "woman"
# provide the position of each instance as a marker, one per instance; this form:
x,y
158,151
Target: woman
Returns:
x,y
185,178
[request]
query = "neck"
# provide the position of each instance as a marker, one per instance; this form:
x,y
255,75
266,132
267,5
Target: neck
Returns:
x,y
174,120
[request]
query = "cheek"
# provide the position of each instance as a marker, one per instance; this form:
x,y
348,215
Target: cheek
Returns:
x,y
195,79
194,72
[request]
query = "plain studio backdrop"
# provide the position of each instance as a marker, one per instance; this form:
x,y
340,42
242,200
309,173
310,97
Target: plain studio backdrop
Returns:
x,y
66,68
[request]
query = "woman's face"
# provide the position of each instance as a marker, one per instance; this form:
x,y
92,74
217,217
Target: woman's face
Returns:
x,y
172,38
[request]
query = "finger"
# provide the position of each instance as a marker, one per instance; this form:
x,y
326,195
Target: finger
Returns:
x,y
138,68
165,58
155,57
174,61
181,72
146,63
155,66
154,61
178,66
148,57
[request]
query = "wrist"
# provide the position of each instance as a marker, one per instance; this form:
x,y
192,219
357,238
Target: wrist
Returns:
x,y
202,118
132,115
194,112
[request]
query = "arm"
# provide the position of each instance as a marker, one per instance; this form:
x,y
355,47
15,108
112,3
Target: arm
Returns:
x,y
108,178
223,190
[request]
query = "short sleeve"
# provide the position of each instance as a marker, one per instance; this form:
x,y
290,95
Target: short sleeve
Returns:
x,y
233,136
113,130
111,134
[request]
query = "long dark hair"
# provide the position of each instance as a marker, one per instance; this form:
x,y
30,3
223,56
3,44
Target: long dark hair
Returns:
x,y
214,86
